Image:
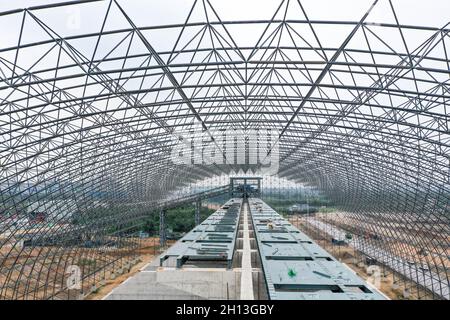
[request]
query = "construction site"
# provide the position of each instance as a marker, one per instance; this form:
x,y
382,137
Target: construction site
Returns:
x,y
288,150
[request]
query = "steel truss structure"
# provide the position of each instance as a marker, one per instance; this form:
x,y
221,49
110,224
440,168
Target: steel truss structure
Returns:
x,y
88,121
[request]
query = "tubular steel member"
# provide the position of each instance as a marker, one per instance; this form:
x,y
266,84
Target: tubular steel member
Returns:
x,y
198,206
162,227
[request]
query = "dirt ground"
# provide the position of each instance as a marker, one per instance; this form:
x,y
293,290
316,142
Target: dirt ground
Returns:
x,y
113,283
148,251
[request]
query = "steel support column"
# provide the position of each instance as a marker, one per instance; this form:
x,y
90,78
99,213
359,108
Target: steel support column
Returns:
x,y
162,227
198,205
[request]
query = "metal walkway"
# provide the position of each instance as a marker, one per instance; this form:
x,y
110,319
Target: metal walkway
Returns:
x,y
296,268
211,241
219,259
413,272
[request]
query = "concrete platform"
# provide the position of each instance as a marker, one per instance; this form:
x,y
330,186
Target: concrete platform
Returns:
x,y
176,284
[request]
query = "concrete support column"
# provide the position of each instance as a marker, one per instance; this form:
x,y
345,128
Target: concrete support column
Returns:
x,y
162,227
198,205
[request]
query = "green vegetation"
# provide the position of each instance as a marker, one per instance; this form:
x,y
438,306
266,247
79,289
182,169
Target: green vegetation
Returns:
x,y
87,262
314,200
177,220
93,215
327,209
282,203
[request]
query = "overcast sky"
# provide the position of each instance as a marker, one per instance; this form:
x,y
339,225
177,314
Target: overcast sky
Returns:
x,y
87,18
149,12
435,13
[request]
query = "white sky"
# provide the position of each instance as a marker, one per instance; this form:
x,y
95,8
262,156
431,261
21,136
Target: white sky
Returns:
x,y
419,12
434,13
87,18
